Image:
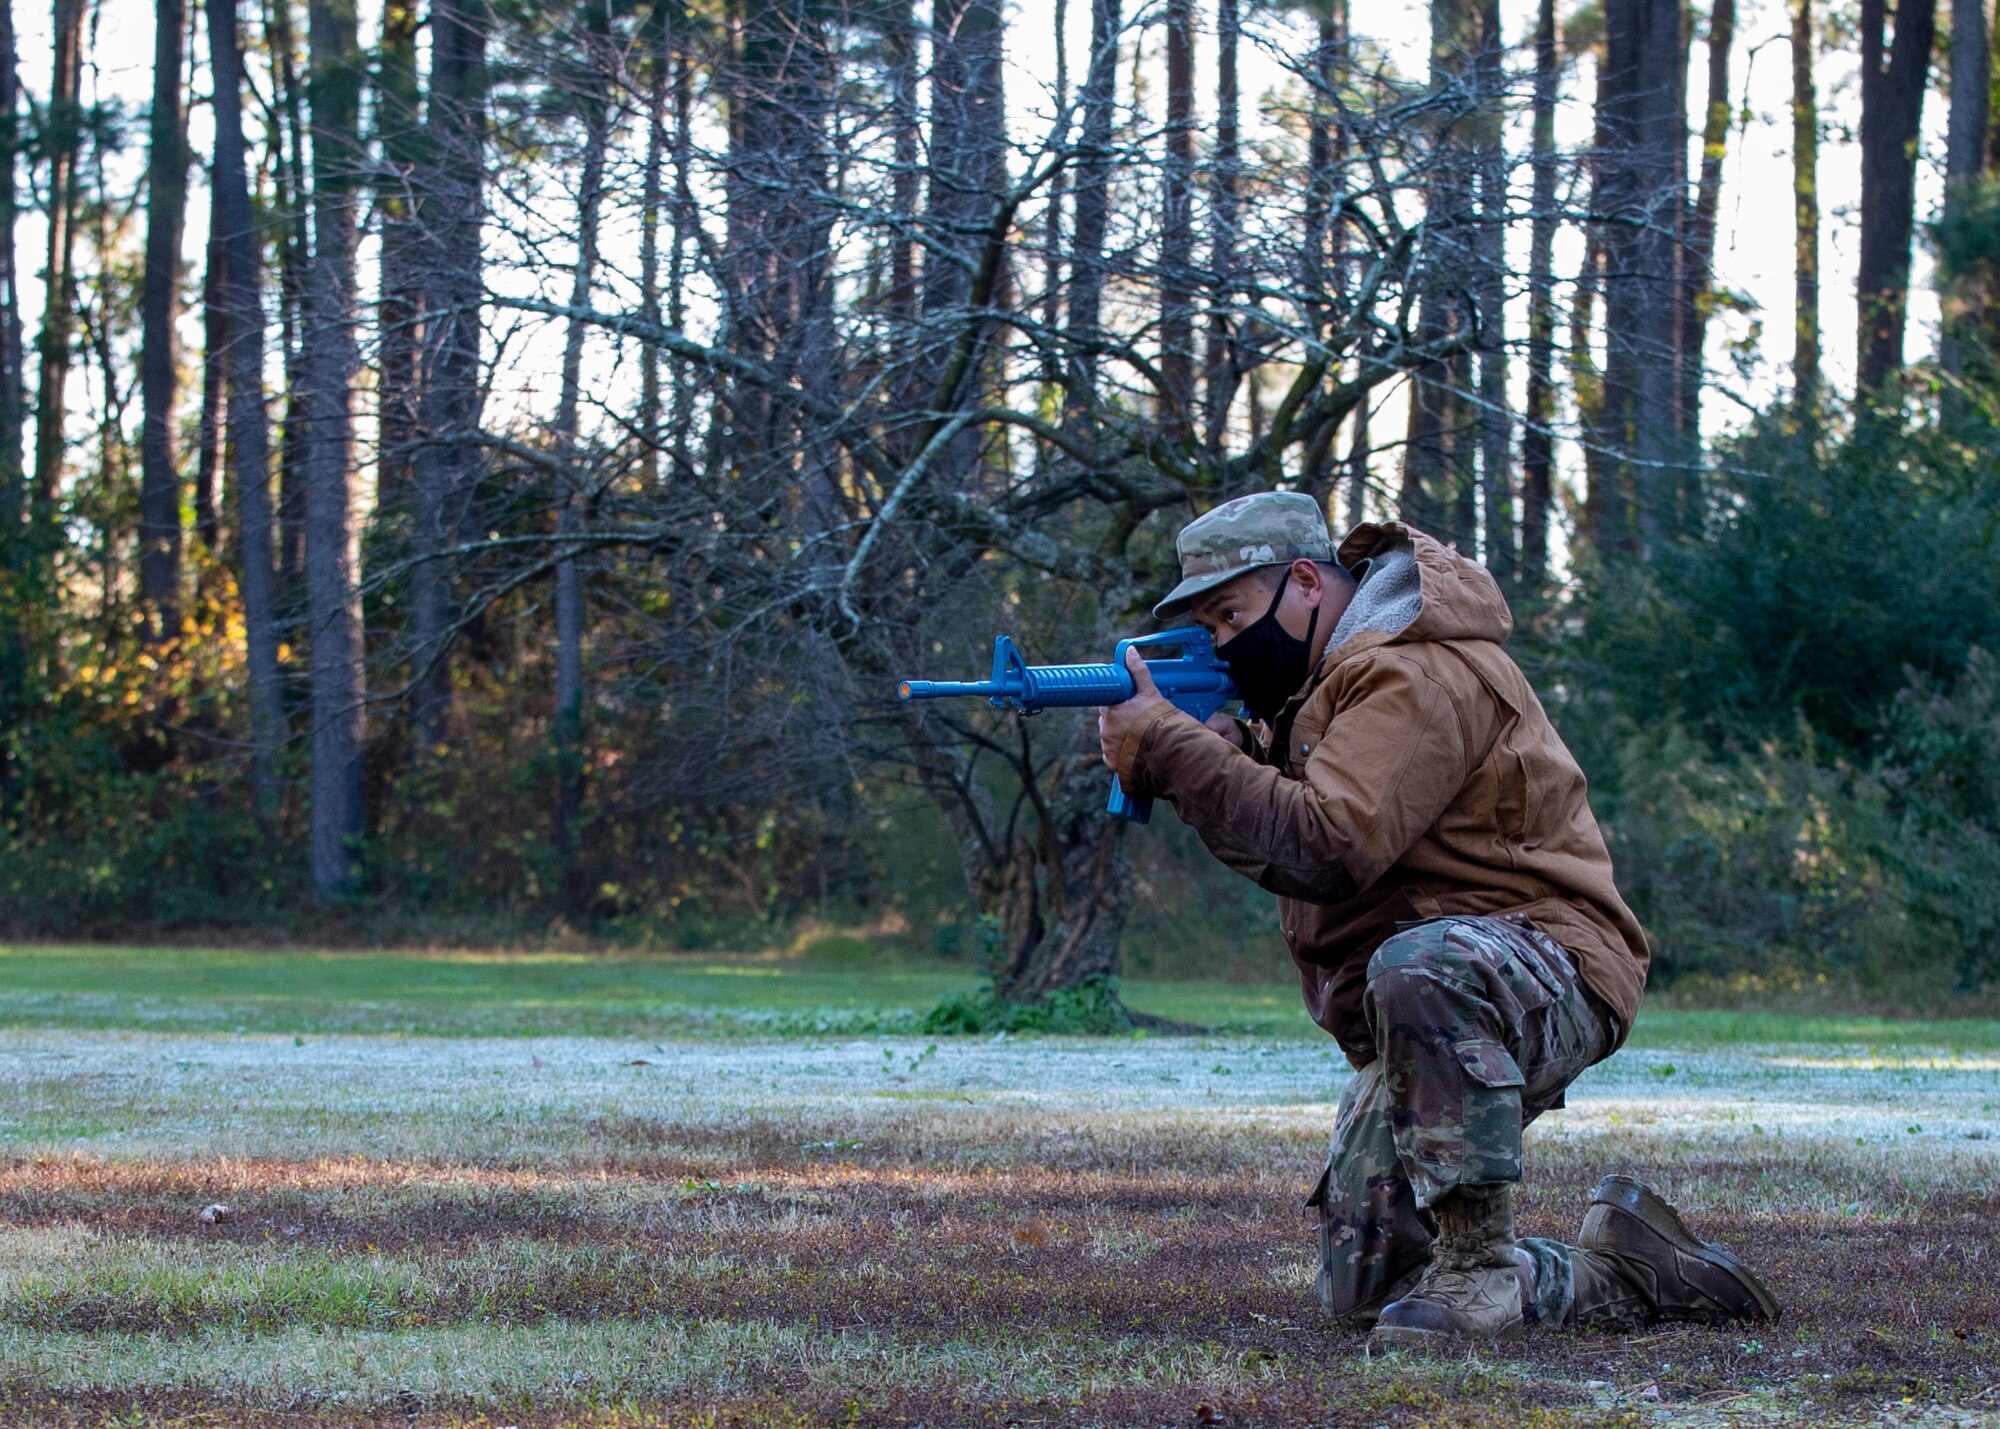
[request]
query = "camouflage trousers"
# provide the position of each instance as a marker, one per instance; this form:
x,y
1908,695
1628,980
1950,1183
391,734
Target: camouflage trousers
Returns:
x,y
1480,1024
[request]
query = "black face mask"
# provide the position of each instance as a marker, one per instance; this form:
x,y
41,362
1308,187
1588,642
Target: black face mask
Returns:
x,y
1268,662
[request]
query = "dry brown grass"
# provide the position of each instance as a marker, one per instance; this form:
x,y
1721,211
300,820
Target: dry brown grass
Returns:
x,y
863,1257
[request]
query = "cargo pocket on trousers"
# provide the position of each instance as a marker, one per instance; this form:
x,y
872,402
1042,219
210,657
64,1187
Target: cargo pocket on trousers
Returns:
x,y
1317,1199
1535,972
1491,1141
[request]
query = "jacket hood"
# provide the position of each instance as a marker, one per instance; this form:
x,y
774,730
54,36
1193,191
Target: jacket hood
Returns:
x,y
1414,587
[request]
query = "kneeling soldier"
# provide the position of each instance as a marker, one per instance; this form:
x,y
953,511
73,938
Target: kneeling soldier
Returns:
x,y
1448,899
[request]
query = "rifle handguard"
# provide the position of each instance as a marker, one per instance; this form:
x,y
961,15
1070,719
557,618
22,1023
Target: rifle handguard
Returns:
x,y
1196,681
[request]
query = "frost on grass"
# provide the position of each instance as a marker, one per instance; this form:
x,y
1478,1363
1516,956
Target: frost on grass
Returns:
x,y
969,1226
582,1101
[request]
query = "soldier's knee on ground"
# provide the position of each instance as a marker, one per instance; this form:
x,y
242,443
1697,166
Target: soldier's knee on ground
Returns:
x,y
1372,1237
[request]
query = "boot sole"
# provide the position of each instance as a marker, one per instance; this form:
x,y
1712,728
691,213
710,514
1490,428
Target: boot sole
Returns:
x,y
1639,1201
1404,1337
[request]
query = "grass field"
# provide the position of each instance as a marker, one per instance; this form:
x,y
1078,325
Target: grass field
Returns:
x,y
581,1191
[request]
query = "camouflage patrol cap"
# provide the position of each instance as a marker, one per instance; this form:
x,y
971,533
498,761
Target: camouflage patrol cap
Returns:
x,y
1265,528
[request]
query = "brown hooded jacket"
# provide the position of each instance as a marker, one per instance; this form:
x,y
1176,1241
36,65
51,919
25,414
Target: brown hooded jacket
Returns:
x,y
1418,777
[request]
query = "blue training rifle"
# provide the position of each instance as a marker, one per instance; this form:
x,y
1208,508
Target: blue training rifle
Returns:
x,y
1195,679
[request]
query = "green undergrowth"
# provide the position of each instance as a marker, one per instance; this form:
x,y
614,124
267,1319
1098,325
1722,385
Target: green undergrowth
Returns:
x,y
505,994
512,994
1704,1028
1094,1009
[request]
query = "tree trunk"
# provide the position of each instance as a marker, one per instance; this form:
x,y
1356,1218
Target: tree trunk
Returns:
x,y
594,102
1805,211
1052,222
1093,206
1605,521
1965,163
968,142
1177,230
1698,281
1056,893
776,256
16,701
113,453
1993,97
1357,469
686,223
1537,436
900,45
968,174
1423,447
214,388
1064,899
288,167
1496,438
445,474
159,358
902,301
1322,162
60,141
241,299
659,37
1319,269
13,377
778,261
1644,125
1892,103
399,312
1436,486
1221,372
331,360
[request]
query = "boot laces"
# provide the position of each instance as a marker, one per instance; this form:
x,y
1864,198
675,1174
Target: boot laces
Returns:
x,y
1458,1263
1450,1283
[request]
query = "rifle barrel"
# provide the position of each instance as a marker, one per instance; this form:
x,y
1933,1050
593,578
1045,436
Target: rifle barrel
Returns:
x,y
946,689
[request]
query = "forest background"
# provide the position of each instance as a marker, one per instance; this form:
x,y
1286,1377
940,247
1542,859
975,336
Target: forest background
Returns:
x,y
475,474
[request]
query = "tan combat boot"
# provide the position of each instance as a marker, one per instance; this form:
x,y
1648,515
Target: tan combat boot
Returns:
x,y
1472,1288
1677,1276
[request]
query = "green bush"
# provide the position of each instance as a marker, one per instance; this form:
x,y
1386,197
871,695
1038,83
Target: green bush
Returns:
x,y
1775,863
1791,731
1762,861
1820,577
1092,1009
1943,774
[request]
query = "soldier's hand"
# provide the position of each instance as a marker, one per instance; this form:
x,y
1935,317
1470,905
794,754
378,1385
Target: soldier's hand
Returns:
x,y
1114,722
1230,728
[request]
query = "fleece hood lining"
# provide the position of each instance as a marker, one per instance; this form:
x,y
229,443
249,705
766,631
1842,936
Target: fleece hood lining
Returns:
x,y
1388,597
